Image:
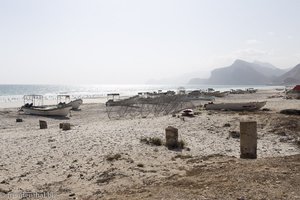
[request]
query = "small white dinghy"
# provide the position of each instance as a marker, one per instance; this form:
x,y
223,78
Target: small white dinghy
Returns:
x,y
247,106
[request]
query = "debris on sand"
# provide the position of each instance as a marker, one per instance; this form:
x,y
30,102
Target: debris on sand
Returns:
x,y
188,113
290,112
19,120
155,141
140,165
113,157
234,134
227,125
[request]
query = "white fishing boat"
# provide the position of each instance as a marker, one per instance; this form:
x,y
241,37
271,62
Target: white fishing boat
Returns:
x,y
61,111
33,105
247,106
75,103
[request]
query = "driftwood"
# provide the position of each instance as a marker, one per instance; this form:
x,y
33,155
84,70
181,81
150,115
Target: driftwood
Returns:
x,y
290,112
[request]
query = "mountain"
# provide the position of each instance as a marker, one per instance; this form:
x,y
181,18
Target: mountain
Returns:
x,y
290,77
239,73
242,73
267,69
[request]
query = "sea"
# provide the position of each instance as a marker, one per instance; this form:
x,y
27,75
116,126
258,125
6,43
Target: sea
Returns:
x,y
12,95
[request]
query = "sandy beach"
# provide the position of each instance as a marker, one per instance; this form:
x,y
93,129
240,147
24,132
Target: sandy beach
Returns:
x,y
100,158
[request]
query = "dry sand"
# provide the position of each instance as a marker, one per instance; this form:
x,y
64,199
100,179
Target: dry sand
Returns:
x,y
101,158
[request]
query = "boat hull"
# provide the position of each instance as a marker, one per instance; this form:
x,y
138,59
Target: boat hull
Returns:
x,y
250,106
75,104
48,111
293,95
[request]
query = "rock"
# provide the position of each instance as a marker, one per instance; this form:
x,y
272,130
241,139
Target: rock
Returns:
x,y
19,120
227,125
4,189
39,163
71,167
81,176
66,126
140,165
234,134
4,182
171,137
248,139
43,124
51,140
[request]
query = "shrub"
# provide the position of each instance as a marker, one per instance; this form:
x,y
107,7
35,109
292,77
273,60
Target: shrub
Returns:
x,y
152,141
113,157
176,145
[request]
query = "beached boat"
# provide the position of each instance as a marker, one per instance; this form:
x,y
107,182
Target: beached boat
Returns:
x,y
61,111
293,93
33,105
247,106
75,103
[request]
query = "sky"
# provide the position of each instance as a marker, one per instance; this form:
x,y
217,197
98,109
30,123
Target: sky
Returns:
x,y
132,41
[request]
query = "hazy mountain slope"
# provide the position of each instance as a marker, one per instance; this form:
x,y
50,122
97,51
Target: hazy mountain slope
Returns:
x,y
290,77
239,73
267,69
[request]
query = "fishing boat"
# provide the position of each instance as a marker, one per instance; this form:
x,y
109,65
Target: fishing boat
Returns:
x,y
58,110
33,105
75,103
293,93
247,106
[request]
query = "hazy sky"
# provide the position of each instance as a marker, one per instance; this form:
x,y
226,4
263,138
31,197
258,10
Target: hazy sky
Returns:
x,y
131,41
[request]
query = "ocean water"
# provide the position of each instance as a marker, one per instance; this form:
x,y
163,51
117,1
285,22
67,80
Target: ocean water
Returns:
x,y
12,95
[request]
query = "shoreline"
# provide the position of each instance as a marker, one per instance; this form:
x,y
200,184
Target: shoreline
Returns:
x,y
11,101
